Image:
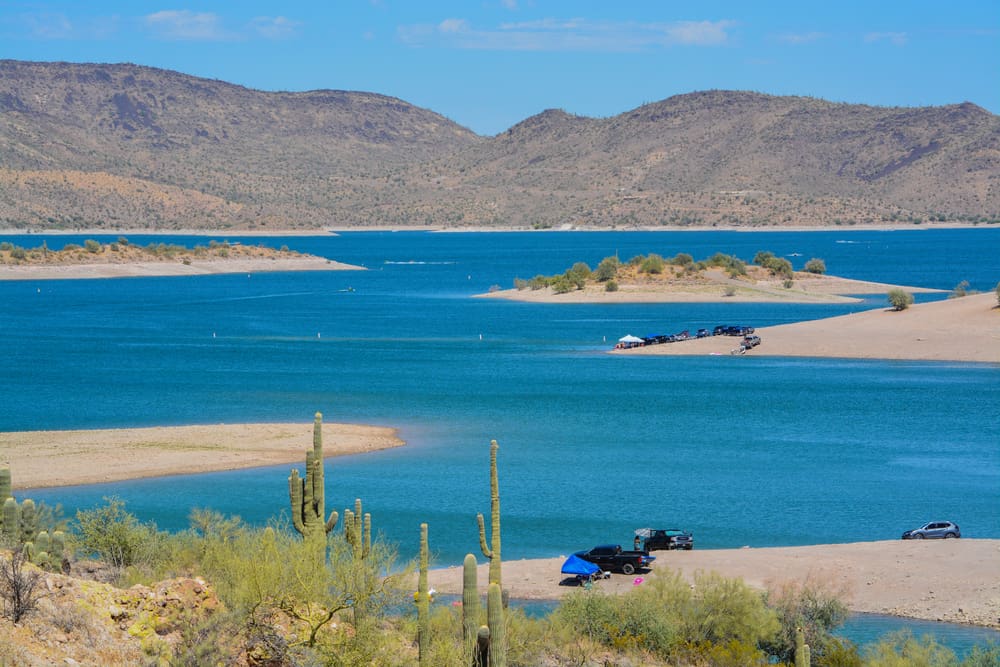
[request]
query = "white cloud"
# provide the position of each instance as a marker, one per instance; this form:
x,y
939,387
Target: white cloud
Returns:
x,y
275,27
575,34
894,38
186,25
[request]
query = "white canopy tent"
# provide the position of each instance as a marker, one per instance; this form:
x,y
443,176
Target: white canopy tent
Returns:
x,y
629,338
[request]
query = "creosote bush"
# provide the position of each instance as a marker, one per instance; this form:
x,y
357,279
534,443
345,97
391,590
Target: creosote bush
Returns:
x,y
899,299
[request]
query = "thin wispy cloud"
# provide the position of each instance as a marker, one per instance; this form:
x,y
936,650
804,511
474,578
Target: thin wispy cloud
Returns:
x,y
567,35
57,26
186,25
894,38
801,37
275,27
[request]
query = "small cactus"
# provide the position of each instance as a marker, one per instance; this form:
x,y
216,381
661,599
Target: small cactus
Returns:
x,y
802,653
470,603
495,622
11,521
5,484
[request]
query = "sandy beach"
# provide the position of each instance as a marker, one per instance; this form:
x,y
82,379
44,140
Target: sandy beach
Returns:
x,y
966,329
63,458
939,580
193,268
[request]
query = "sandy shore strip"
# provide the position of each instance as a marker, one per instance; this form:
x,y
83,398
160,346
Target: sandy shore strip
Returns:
x,y
193,268
965,329
939,580
67,458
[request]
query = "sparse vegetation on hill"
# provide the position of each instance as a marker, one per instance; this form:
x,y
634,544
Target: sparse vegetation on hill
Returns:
x,y
120,146
123,252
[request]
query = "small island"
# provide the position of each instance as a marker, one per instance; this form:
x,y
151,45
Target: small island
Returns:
x,y
655,279
121,259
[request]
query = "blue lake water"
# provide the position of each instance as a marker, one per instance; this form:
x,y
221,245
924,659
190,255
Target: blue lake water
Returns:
x,y
742,450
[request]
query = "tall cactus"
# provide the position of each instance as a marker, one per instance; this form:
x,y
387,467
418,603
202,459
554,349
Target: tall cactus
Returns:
x,y
308,496
492,552
423,602
29,520
470,603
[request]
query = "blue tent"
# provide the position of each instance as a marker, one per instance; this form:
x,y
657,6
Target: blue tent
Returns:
x,y
576,565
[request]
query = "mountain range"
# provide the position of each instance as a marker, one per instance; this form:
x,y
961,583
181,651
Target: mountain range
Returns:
x,y
121,146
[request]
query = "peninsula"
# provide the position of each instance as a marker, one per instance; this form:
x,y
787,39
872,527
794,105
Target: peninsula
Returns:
x,y
122,259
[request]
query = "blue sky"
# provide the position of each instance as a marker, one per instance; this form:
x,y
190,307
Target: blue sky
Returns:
x,y
488,64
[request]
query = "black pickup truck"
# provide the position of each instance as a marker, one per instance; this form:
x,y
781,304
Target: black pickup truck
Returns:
x,y
611,557
653,539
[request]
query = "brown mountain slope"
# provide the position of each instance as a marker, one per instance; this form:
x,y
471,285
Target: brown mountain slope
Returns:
x,y
123,146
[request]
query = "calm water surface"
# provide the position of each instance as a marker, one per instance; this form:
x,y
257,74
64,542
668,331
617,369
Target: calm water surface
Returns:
x,y
741,450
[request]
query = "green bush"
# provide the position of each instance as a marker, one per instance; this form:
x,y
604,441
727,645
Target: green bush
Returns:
x,y
682,259
763,257
562,285
815,265
652,264
117,537
815,608
92,246
901,649
899,299
611,286
607,269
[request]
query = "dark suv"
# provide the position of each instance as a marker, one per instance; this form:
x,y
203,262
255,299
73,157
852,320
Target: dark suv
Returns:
x,y
934,529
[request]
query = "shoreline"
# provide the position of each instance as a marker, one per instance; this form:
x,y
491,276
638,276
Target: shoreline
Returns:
x,y
168,268
965,329
112,455
883,577
335,229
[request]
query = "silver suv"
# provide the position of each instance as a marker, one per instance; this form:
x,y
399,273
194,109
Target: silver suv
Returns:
x,y
934,529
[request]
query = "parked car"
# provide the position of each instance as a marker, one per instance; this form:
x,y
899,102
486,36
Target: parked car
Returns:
x,y
703,333
653,539
611,557
932,530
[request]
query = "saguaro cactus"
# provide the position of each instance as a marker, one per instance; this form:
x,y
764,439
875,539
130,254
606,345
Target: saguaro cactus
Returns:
x,y
29,520
423,602
492,551
4,484
495,623
358,532
802,653
470,603
11,521
308,496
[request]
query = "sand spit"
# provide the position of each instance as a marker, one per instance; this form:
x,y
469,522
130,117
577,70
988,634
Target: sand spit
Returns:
x,y
965,329
940,580
64,458
193,268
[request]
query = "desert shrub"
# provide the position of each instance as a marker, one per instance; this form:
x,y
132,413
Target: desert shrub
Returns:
x,y
815,265
538,282
636,261
6,246
611,286
20,585
562,285
734,266
779,266
71,247
812,606
763,257
899,299
117,536
787,283
901,649
961,289
607,269
17,252
729,290
682,259
92,246
983,656
653,264
520,284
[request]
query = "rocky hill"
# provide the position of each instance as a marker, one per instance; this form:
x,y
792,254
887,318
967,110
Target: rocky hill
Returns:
x,y
130,147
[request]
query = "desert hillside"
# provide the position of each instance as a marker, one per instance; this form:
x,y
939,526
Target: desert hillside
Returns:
x,y
120,146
